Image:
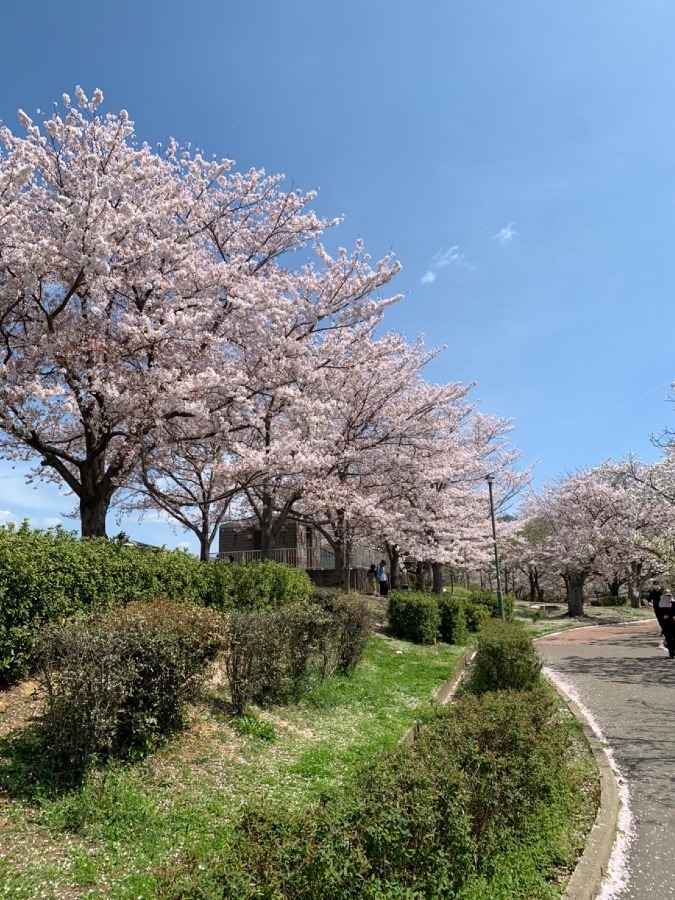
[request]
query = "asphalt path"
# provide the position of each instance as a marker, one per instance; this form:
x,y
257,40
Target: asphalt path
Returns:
x,y
624,677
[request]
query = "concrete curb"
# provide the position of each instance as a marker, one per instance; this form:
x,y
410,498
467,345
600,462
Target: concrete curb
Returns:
x,y
444,693
587,878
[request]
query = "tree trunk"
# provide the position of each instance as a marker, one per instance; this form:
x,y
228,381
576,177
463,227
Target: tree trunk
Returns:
x,y
95,495
204,547
634,579
437,576
614,587
93,511
575,601
394,560
532,577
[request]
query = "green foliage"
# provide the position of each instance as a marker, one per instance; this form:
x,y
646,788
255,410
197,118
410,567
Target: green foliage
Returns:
x,y
325,597
252,726
488,599
273,655
453,627
414,616
476,615
117,682
48,575
352,623
506,659
609,600
483,798
267,585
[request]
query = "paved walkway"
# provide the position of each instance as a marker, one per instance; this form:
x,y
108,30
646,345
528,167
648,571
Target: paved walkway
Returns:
x,y
625,679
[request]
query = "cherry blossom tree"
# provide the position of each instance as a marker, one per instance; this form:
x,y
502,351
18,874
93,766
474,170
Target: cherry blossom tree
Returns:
x,y
131,283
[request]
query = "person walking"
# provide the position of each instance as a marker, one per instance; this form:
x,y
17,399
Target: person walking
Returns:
x,y
383,578
654,596
371,578
667,609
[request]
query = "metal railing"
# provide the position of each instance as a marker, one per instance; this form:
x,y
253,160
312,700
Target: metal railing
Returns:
x,y
300,557
304,557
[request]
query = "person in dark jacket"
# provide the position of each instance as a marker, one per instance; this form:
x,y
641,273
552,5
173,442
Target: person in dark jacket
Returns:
x,y
654,596
667,609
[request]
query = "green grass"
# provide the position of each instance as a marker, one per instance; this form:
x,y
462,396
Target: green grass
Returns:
x,y
111,837
540,623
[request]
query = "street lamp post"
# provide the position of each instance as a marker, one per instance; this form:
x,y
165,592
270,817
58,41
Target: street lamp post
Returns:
x,y
500,599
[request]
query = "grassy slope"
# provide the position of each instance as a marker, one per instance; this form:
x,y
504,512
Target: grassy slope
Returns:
x,y
107,839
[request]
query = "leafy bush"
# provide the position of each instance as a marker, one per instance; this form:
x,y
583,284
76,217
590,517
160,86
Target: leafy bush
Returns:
x,y
325,597
48,575
506,659
273,655
267,585
489,600
351,628
486,781
609,600
414,616
117,682
453,628
476,615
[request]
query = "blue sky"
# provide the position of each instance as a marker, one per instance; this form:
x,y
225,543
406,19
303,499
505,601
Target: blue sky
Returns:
x,y
517,157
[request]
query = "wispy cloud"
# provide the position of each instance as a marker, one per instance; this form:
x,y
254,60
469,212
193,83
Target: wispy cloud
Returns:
x,y
6,517
452,257
506,234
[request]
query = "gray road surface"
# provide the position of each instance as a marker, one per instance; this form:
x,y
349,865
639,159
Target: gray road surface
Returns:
x,y
626,680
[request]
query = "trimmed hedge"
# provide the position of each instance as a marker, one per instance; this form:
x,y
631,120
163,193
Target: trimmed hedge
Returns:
x,y
50,575
117,682
414,616
266,585
505,659
484,799
273,655
488,599
453,626
422,617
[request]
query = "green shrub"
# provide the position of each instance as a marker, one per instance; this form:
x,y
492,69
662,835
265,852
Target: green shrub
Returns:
x,y
609,600
48,575
268,585
117,682
505,660
274,655
271,655
486,782
325,597
453,628
414,616
488,599
476,615
352,620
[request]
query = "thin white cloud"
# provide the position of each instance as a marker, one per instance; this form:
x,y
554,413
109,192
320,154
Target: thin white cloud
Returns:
x,y
444,258
506,234
451,257
6,517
